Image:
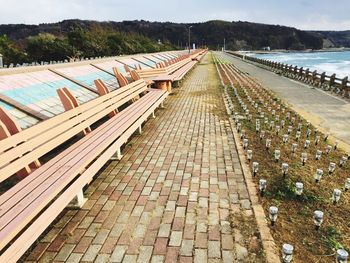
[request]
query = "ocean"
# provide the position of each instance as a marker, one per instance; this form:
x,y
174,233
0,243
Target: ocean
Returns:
x,y
330,62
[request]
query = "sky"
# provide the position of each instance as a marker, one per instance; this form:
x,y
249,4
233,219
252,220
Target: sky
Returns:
x,y
302,14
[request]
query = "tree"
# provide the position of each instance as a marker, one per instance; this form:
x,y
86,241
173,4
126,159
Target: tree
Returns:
x,y
47,47
11,54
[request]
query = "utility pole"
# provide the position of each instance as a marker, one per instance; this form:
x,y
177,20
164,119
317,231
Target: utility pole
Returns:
x,y
1,63
189,39
224,44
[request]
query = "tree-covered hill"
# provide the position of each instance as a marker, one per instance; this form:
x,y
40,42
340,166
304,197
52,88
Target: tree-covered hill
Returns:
x,y
84,38
336,38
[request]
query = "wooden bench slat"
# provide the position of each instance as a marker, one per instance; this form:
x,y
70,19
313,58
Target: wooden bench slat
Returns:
x,y
56,139
18,248
48,124
44,174
81,111
54,163
179,74
49,191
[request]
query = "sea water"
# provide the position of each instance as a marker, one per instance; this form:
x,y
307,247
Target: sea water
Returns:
x,y
329,62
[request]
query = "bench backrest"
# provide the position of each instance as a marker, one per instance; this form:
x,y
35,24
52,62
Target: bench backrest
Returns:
x,y
149,73
23,148
173,67
122,80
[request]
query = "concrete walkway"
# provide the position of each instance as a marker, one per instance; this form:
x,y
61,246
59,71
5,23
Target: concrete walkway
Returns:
x,y
330,113
172,198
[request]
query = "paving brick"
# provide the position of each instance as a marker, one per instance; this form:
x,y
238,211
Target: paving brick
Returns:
x,y
93,229
201,256
180,212
227,242
91,253
150,237
145,254
201,240
164,230
160,246
228,256
175,238
157,259
178,224
37,252
168,217
172,254
189,232
130,259
214,250
74,258
108,245
170,206
57,244
214,232
51,235
118,253
102,258
64,253
186,248
101,237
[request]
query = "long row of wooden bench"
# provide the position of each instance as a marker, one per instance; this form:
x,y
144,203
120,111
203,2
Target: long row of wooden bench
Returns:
x,y
30,206
165,74
47,191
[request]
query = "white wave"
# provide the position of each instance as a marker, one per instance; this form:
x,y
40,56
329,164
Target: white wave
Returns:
x,y
342,69
329,62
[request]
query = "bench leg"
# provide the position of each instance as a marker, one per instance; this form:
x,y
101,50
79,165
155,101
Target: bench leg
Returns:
x,y
79,200
153,115
162,105
163,85
169,86
117,156
140,130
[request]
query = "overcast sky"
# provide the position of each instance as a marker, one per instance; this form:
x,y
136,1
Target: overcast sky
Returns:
x,y
303,14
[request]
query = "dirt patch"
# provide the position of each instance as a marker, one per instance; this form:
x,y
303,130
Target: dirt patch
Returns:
x,y
246,233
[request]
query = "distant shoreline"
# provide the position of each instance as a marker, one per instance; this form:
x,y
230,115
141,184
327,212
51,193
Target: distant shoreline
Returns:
x,y
343,49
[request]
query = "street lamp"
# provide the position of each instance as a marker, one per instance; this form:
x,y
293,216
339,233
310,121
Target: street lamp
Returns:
x,y
342,256
287,253
273,212
318,219
189,39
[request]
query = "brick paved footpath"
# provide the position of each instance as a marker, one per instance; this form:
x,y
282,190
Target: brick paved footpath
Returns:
x,y
170,197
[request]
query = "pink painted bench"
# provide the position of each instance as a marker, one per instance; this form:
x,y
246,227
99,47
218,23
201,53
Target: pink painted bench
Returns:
x,y
30,206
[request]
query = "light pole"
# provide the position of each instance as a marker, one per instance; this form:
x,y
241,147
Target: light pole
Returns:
x,y
189,39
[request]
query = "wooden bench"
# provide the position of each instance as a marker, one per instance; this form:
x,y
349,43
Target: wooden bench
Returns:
x,y
30,206
181,72
163,71
164,76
